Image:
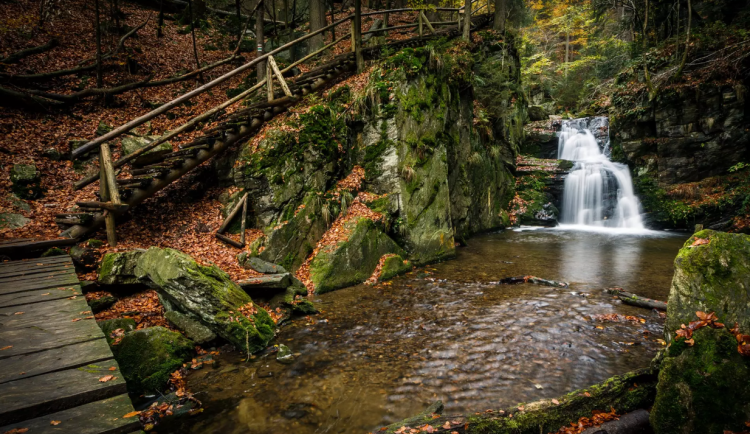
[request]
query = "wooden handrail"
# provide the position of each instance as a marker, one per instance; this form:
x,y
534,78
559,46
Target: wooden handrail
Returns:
x,y
187,96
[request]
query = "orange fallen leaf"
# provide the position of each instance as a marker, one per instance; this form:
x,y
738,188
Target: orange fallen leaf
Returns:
x,y
107,378
6,347
55,422
16,431
131,414
556,402
75,320
113,369
18,313
700,242
447,425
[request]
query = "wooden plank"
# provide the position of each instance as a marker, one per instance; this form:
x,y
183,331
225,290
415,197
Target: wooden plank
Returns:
x,y
17,249
58,359
39,277
36,262
35,296
57,391
39,314
99,417
37,270
30,286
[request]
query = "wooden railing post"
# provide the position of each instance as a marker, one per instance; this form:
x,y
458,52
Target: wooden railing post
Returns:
x,y
275,68
427,23
357,35
419,19
259,38
269,79
467,20
108,191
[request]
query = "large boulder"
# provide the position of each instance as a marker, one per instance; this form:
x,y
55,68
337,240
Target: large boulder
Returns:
x,y
193,329
26,181
119,268
131,144
702,387
712,274
537,113
148,356
206,294
354,260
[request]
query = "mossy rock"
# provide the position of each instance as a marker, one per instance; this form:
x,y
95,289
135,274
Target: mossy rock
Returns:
x,y
119,268
13,221
193,329
148,356
712,277
393,266
102,303
354,260
110,325
131,144
26,181
206,294
704,388
53,251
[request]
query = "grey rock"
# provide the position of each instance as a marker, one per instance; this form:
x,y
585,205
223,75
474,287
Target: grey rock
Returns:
x,y
193,329
284,355
26,181
262,266
13,221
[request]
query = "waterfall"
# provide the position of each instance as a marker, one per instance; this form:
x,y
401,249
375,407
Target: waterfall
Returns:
x,y
597,192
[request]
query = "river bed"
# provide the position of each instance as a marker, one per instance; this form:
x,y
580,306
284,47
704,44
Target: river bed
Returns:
x,y
378,354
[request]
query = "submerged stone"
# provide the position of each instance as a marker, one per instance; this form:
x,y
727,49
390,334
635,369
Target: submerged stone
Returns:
x,y
148,356
284,355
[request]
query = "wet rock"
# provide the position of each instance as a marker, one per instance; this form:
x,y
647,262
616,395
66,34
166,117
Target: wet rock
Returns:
x,y
284,355
119,268
102,303
393,266
193,329
26,181
262,266
703,388
52,154
13,221
53,251
110,325
102,129
537,113
354,260
84,256
206,294
274,281
711,277
131,144
148,356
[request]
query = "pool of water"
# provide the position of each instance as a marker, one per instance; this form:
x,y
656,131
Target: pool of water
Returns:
x,y
378,354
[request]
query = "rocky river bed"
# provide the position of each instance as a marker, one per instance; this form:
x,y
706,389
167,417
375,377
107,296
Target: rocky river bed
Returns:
x,y
378,354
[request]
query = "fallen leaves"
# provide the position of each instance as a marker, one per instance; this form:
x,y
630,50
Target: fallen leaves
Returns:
x,y
106,378
144,308
597,418
16,431
700,242
7,347
55,422
613,317
131,414
704,319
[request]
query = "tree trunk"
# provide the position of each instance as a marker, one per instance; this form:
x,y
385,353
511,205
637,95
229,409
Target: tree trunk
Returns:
x,y
199,10
357,35
467,20
160,24
500,13
239,21
687,41
260,39
192,32
567,51
99,80
317,21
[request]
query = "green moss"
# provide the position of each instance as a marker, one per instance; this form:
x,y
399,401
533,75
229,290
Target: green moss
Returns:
x,y
698,389
54,251
147,357
393,266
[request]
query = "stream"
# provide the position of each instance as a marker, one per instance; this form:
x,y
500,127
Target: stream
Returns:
x,y
378,354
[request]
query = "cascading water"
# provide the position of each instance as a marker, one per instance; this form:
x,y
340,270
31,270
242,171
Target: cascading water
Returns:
x,y
597,192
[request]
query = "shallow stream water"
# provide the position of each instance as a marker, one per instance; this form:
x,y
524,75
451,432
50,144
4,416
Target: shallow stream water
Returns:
x,y
376,355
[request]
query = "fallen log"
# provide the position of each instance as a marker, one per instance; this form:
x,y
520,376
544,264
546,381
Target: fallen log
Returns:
x,y
531,279
273,281
636,300
625,393
229,241
635,422
18,55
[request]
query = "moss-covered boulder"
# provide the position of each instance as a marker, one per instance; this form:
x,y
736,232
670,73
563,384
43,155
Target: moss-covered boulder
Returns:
x,y
712,274
131,144
193,329
148,356
206,294
109,326
393,266
102,303
26,181
13,221
354,260
703,388
119,268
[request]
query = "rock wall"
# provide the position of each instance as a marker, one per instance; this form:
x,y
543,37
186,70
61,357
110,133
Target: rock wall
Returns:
x,y
431,169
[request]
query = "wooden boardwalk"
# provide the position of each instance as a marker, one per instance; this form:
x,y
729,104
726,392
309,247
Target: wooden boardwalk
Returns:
x,y
55,364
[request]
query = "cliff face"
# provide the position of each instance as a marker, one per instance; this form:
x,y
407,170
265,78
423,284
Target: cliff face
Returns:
x,y
411,144
684,149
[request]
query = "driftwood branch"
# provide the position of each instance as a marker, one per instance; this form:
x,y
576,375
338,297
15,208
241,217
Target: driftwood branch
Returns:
x,y
229,241
636,300
18,55
531,279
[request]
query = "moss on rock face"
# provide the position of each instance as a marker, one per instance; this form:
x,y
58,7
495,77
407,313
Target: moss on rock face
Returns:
x,y
206,294
703,388
148,356
119,268
26,181
712,277
353,261
110,325
393,266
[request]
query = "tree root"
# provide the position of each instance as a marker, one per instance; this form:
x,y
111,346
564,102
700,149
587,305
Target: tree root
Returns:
x,y
17,56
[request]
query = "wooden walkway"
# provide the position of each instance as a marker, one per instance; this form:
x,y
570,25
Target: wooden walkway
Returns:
x,y
55,364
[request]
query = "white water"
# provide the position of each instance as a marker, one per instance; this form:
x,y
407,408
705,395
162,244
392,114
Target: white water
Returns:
x,y
598,193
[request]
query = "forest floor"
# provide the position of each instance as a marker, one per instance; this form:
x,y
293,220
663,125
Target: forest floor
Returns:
x,y
183,216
